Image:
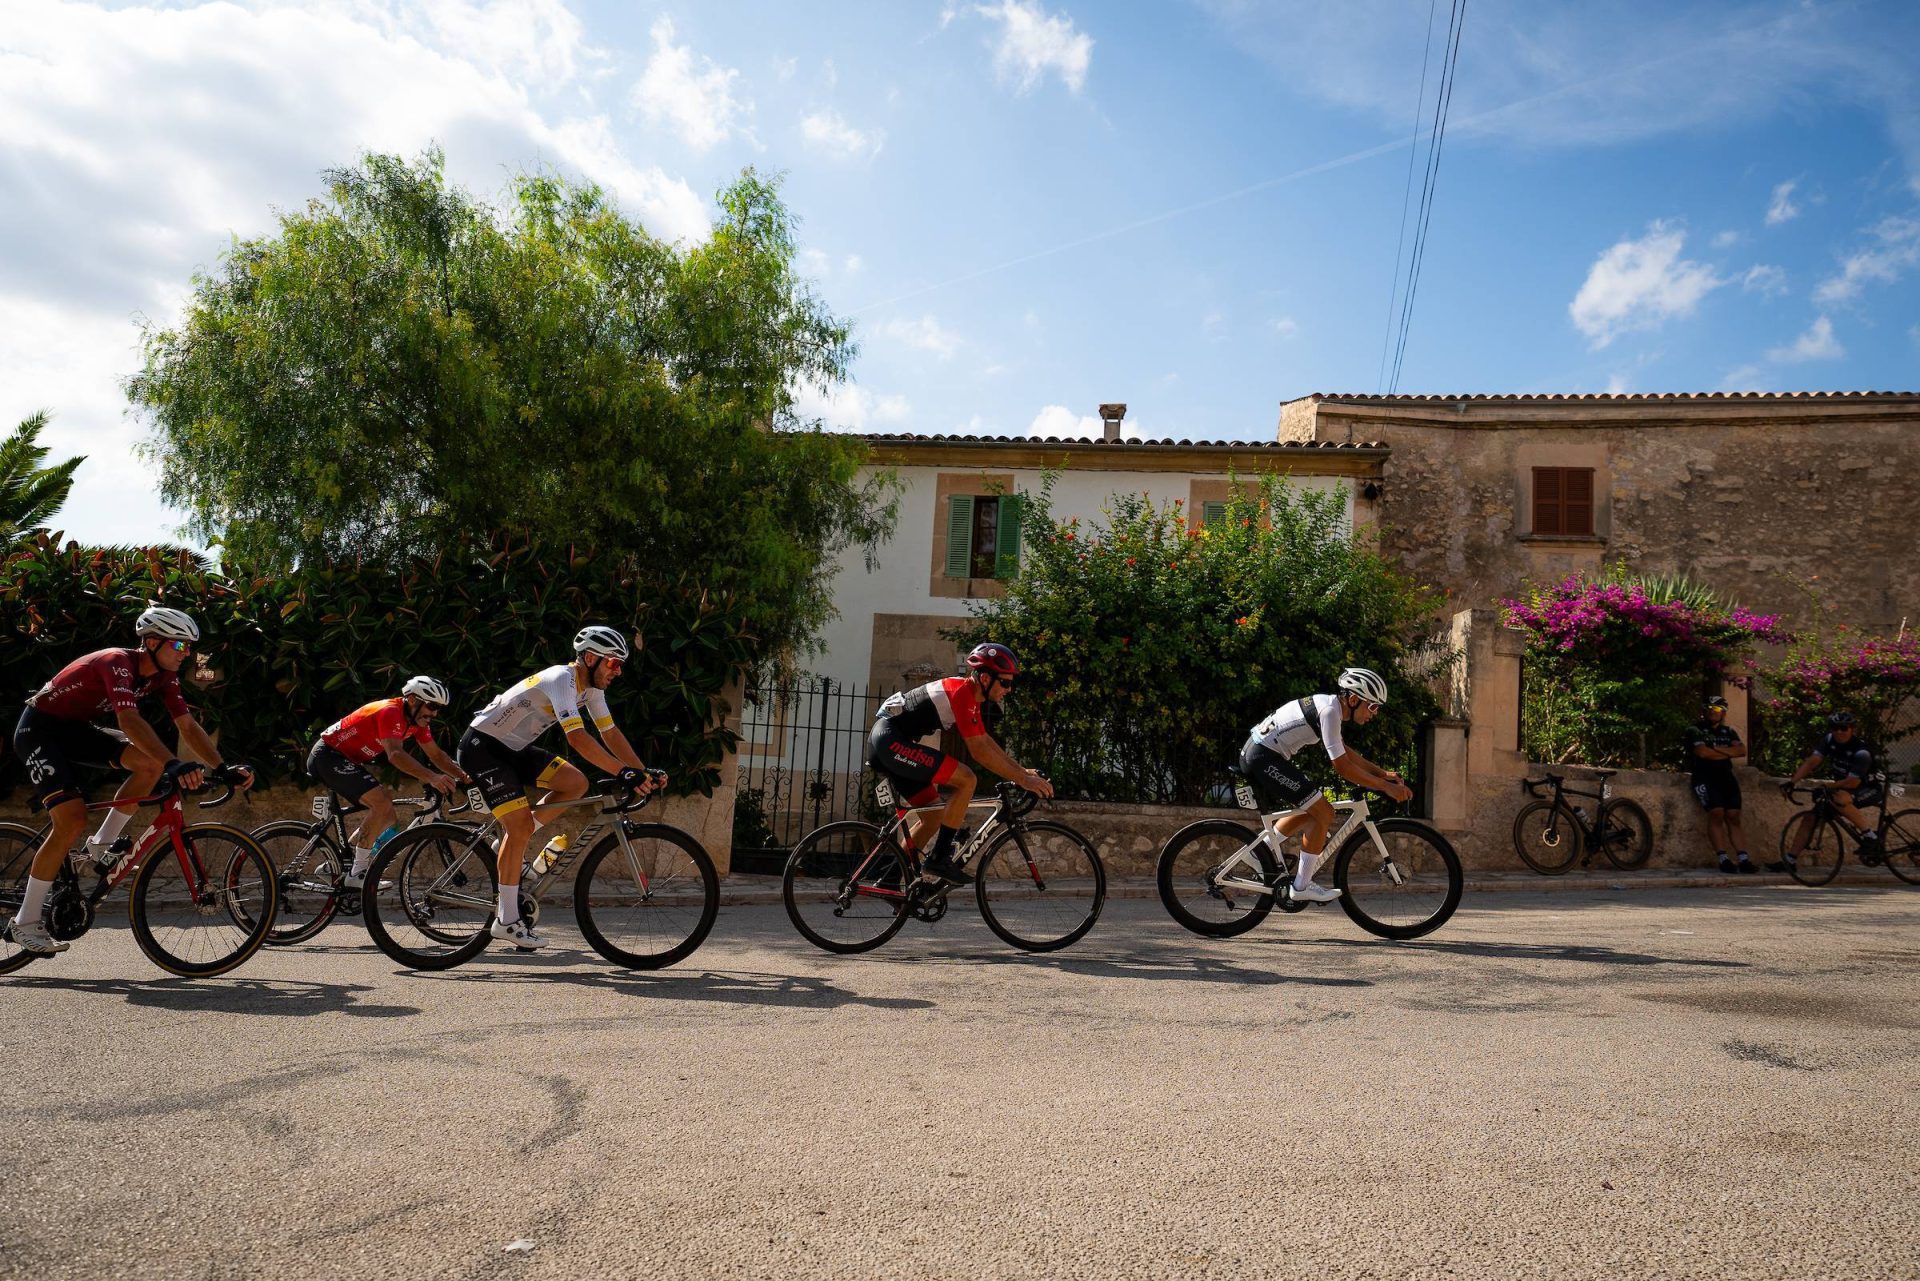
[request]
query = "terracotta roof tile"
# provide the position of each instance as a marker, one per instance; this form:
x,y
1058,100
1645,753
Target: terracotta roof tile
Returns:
x,y
1626,398
1259,446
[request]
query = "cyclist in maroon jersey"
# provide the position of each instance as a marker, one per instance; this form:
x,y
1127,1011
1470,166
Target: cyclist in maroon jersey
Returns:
x,y
58,733
955,703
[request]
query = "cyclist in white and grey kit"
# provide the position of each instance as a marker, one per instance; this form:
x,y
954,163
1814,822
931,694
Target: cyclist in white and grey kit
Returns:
x,y
1267,762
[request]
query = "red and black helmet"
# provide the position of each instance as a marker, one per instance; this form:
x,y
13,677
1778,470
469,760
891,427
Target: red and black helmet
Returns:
x,y
994,657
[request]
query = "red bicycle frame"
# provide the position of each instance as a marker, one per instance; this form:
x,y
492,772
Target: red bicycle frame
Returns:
x,y
169,821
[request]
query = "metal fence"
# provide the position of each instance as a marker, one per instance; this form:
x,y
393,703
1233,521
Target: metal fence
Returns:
x,y
802,762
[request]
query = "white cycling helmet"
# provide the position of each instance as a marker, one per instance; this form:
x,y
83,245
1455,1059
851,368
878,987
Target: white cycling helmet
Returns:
x,y
168,624
595,639
1364,682
427,690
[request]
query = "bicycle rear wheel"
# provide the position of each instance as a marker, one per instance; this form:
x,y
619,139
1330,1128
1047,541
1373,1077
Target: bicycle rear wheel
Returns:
x,y
430,896
1411,891
1625,834
306,872
18,845
649,902
1040,886
1902,838
214,915
1825,850
846,886
1187,866
1547,837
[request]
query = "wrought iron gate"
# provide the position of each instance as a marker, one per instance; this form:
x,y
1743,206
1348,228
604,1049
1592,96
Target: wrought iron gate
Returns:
x,y
802,762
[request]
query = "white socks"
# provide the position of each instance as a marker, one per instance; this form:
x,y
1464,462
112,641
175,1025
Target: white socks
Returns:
x,y
110,827
34,901
509,903
362,860
1303,876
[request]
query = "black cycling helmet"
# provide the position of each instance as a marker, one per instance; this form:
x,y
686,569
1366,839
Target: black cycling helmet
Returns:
x,y
1840,720
994,657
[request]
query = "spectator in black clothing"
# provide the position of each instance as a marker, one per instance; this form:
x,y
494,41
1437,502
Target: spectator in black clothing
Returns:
x,y
1711,750
1855,786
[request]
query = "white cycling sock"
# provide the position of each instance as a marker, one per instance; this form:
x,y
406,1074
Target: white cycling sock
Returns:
x,y
110,827
362,860
509,903
1303,876
35,900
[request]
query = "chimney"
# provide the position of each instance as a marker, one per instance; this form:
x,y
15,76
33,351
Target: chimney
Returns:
x,y
1112,416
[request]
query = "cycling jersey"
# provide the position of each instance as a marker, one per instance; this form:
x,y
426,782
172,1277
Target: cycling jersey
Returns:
x,y
1289,729
106,682
1846,760
1714,772
953,703
358,735
521,714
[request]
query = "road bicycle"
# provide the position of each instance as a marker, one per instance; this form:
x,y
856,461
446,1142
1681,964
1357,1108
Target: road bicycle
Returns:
x,y
850,886
1398,878
197,914
1550,833
311,861
645,895
1897,843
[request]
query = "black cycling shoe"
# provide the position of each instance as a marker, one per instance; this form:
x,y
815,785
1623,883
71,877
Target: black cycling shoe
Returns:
x,y
1726,864
944,867
1782,865
1745,867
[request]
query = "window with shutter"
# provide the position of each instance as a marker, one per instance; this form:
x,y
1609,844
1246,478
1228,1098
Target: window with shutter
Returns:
x,y
1563,501
959,536
1212,513
1006,560
986,537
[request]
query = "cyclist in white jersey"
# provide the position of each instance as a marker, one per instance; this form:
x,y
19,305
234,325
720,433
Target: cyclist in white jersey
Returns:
x,y
1267,762
499,751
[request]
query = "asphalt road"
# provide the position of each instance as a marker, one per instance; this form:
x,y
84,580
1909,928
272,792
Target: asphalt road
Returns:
x,y
1648,1084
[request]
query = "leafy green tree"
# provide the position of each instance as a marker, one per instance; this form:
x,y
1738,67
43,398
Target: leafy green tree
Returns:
x,y
1149,648
402,367
30,492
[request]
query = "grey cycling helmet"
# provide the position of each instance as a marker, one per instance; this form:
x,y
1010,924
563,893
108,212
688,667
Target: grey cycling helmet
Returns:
x,y
427,690
595,639
168,624
1364,682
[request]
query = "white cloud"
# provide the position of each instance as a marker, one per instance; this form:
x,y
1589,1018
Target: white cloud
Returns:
x,y
1764,279
1637,284
1897,250
1034,43
1618,385
854,264
848,406
1745,378
924,334
1285,326
1726,240
827,131
1818,343
696,102
1781,208
1059,421
815,263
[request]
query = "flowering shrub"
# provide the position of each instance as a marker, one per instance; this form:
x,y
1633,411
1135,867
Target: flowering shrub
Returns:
x,y
1873,678
1149,648
1615,666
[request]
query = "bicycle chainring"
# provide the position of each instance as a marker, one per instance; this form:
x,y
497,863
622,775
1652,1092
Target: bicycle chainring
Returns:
x,y
68,916
927,903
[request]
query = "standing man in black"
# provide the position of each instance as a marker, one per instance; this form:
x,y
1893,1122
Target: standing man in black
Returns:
x,y
1712,749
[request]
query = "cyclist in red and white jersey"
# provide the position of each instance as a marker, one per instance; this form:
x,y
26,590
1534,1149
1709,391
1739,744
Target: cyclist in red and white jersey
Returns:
x,y
59,733
956,703
346,750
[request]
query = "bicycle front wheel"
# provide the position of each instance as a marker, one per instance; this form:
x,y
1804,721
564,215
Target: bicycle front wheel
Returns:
x,y
1040,886
306,872
211,914
1819,862
648,900
18,845
1189,872
1546,836
1626,834
846,887
1902,838
430,896
1406,886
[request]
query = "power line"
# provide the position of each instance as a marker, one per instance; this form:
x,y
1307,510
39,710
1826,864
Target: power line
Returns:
x,y
1443,103
1406,198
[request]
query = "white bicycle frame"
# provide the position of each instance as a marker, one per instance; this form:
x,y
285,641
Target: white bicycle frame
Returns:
x,y
1226,875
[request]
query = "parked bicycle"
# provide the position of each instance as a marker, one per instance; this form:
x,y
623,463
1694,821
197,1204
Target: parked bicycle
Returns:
x,y
311,861
199,913
645,895
1398,878
1551,833
1896,842
1040,885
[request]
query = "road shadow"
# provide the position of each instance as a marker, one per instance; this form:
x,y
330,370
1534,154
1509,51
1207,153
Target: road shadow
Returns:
x,y
278,998
1151,967
1583,952
725,987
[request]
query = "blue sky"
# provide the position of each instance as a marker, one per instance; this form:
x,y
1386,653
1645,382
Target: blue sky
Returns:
x,y
1032,206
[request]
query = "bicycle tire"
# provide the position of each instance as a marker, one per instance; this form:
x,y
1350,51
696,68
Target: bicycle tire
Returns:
x,y
666,904
1635,846
425,871
1559,841
1901,836
1018,906
306,905
1824,842
1170,874
18,844
243,879
1425,861
821,865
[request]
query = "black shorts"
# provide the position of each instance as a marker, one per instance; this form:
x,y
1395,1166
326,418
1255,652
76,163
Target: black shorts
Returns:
x,y
503,774
325,765
53,751
920,770
1868,795
1717,794
1276,781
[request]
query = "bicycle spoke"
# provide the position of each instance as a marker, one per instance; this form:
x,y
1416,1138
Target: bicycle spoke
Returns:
x,y
646,901
845,887
206,913
17,848
1041,886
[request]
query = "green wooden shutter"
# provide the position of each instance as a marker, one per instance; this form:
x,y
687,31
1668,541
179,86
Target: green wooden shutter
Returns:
x,y
1212,513
960,536
1006,554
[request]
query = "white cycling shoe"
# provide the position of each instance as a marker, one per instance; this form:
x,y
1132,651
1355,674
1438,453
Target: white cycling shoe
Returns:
x,y
1315,893
518,933
34,938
